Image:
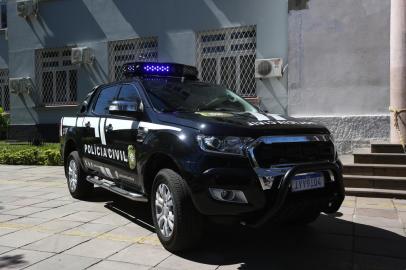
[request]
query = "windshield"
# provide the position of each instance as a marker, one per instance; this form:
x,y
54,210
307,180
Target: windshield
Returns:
x,y
171,95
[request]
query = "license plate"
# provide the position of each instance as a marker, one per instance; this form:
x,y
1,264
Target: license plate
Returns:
x,y
307,181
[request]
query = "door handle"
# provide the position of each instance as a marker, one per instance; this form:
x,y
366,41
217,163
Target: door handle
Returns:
x,y
109,128
87,124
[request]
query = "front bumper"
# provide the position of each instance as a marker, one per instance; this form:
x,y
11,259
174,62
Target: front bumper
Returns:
x,y
265,203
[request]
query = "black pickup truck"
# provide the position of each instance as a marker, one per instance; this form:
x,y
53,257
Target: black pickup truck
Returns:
x,y
197,151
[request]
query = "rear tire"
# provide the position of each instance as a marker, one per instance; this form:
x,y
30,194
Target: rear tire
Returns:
x,y
78,186
177,222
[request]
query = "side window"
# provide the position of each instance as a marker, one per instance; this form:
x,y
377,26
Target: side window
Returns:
x,y
106,96
128,93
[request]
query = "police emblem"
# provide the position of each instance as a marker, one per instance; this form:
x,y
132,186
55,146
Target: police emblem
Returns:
x,y
132,160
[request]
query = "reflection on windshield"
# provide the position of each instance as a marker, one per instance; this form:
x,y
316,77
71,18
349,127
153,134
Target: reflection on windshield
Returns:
x,y
169,96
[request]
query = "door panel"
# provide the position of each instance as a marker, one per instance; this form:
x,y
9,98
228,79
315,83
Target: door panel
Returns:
x,y
94,148
121,132
120,137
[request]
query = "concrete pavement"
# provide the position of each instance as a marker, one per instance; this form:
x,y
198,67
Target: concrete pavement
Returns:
x,y
42,227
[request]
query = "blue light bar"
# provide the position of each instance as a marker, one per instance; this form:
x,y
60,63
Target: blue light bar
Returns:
x,y
159,69
156,68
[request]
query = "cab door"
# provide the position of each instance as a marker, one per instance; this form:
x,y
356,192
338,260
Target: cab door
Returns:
x,y
121,133
93,135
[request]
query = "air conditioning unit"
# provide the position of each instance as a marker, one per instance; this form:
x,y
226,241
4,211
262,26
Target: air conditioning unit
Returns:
x,y
27,8
21,85
268,68
82,55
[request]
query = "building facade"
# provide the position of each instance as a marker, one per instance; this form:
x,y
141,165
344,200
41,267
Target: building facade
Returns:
x,y
337,70
339,54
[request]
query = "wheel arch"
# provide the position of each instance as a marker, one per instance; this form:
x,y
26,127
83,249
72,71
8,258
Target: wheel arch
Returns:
x,y
69,147
155,163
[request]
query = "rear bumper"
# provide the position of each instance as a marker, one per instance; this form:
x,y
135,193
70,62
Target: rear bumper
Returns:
x,y
265,204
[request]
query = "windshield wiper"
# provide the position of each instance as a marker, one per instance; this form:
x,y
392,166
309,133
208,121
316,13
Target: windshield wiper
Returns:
x,y
216,109
175,110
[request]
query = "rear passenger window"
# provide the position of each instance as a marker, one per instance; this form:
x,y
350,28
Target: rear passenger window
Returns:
x,y
106,96
128,93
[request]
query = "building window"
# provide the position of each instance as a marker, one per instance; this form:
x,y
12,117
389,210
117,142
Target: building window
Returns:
x,y
130,50
56,76
227,57
4,91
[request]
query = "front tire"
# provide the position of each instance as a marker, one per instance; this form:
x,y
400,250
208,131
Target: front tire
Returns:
x,y
177,222
78,186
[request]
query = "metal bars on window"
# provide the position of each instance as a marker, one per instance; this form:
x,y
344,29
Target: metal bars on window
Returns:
x,y
56,77
130,50
227,57
4,90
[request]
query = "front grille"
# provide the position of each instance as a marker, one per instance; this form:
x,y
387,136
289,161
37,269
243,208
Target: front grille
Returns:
x,y
267,155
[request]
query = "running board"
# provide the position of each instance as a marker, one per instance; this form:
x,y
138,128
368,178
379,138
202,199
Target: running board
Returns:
x,y
111,186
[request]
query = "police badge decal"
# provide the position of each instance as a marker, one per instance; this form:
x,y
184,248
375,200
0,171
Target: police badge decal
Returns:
x,y
132,161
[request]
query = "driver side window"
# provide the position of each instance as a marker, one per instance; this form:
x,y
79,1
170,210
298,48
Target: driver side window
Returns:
x,y
106,96
128,93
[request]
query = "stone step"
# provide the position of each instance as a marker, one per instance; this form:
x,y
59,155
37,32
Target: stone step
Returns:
x,y
375,182
375,169
376,193
379,158
386,148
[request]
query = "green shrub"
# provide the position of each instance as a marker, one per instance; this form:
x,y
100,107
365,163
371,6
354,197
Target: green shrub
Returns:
x,y
4,122
29,155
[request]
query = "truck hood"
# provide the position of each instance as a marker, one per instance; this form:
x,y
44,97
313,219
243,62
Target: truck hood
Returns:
x,y
242,124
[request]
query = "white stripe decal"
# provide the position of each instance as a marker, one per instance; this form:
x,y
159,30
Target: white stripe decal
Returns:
x,y
79,122
153,126
277,117
69,121
260,116
119,124
108,172
94,123
102,131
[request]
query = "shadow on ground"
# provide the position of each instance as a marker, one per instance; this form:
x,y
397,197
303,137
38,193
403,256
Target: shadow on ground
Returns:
x,y
328,243
14,261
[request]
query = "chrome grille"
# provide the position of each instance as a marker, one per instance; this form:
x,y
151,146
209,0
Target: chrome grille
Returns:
x,y
286,150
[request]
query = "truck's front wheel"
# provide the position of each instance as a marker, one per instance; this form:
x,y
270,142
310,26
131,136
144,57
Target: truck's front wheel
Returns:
x,y
177,222
78,186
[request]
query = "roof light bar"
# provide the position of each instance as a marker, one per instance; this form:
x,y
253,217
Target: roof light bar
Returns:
x,y
159,69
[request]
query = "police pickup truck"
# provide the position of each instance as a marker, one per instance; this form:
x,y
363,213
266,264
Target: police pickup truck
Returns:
x,y
197,151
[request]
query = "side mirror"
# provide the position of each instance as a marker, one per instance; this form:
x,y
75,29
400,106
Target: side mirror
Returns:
x,y
125,107
84,107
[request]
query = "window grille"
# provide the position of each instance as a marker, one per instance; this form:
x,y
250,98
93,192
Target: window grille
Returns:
x,y
56,76
4,90
130,50
227,57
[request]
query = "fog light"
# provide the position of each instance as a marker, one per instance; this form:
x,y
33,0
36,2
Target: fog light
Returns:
x,y
226,195
266,181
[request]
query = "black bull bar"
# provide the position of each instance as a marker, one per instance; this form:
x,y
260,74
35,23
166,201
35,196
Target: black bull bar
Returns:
x,y
333,206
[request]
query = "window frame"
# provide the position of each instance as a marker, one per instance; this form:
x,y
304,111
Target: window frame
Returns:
x,y
223,44
54,61
139,49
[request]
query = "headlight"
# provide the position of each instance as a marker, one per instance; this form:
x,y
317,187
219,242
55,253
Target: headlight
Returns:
x,y
225,145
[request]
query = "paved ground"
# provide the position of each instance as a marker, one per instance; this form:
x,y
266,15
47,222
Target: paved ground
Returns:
x,y
42,227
